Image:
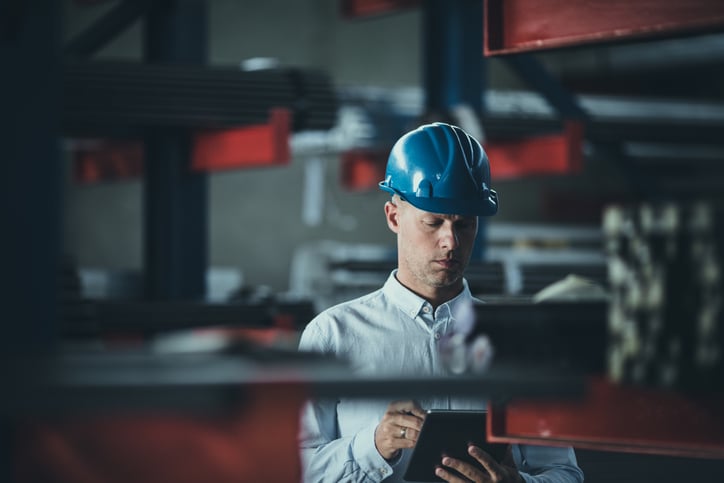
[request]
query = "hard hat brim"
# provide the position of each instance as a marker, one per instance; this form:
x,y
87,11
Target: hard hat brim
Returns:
x,y
446,206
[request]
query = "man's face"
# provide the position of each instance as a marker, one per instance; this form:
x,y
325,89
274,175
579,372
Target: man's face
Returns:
x,y
433,249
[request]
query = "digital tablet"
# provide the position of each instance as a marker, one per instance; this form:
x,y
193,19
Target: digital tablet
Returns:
x,y
449,432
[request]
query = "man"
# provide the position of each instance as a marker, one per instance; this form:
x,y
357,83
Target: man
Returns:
x,y
439,179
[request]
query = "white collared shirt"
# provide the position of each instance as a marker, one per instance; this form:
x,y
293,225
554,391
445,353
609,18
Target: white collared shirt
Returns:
x,y
391,331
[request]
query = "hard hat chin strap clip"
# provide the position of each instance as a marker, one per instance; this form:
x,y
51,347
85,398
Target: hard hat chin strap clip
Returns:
x,y
424,190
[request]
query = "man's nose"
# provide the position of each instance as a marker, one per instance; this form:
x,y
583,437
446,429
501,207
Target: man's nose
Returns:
x,y
449,237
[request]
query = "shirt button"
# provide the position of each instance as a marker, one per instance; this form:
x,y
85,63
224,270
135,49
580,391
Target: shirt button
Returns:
x,y
383,471
426,309
437,336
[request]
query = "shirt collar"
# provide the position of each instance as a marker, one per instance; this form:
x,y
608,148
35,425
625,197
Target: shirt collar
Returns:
x,y
411,303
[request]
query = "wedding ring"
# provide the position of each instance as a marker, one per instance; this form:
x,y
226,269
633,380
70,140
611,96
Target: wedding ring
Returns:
x,y
403,433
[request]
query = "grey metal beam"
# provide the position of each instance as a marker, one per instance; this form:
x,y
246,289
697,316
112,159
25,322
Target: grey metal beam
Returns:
x,y
454,69
534,73
107,28
32,174
453,62
175,197
30,190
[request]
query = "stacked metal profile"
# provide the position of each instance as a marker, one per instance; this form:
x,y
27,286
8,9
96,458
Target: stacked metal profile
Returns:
x,y
666,323
103,96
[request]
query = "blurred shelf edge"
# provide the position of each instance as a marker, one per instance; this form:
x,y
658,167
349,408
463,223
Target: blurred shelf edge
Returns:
x,y
84,384
88,318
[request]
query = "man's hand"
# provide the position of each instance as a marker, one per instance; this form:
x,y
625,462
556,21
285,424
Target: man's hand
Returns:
x,y
493,472
399,428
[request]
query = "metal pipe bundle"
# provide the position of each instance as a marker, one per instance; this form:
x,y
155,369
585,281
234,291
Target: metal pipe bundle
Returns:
x,y
127,97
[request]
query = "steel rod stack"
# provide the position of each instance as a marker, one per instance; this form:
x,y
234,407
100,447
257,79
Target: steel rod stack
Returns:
x,y
120,97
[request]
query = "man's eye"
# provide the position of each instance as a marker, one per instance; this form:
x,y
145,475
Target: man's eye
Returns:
x,y
465,225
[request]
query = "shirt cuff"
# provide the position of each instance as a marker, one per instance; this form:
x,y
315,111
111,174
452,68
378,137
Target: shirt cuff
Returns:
x,y
368,458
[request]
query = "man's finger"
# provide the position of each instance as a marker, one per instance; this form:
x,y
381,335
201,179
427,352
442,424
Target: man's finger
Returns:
x,y
488,462
407,421
448,476
463,468
408,406
412,434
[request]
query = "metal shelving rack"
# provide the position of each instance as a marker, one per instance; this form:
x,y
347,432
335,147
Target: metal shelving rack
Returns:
x,y
31,216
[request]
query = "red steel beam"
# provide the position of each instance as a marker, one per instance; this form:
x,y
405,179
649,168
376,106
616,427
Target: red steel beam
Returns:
x,y
368,8
86,3
363,169
246,146
243,147
95,161
513,26
619,418
553,154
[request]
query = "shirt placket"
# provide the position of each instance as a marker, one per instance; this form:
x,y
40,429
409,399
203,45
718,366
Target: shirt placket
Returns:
x,y
439,328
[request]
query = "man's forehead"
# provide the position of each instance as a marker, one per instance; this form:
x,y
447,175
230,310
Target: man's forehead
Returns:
x,y
446,216
437,215
403,202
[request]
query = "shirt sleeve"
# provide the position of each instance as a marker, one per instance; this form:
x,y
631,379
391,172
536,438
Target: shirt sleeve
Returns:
x,y
327,457
547,464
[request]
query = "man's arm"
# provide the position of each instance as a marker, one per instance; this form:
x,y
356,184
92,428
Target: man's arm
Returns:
x,y
328,458
325,455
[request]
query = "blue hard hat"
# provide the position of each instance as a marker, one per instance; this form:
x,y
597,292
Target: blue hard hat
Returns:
x,y
441,169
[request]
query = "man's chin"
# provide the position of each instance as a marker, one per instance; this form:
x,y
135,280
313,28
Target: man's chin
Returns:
x,y
446,278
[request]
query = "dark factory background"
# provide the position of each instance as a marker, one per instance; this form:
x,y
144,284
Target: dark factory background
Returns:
x,y
186,183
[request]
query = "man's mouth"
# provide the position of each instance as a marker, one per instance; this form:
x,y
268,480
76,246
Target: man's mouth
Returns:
x,y
447,263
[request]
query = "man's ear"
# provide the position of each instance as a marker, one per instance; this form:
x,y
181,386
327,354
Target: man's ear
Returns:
x,y
392,214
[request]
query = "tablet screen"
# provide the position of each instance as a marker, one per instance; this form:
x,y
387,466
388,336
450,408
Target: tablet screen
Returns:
x,y
449,432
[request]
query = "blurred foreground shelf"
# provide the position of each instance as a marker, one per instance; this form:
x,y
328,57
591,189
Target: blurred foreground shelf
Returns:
x,y
214,382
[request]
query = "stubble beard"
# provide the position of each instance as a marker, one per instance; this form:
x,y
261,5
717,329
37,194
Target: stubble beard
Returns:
x,y
441,278
432,276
